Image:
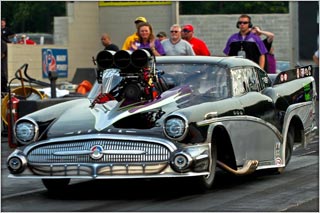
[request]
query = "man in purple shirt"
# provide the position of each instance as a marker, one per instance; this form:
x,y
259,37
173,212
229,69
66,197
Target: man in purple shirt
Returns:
x,y
245,43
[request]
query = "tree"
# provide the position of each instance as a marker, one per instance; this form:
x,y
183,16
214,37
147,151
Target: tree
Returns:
x,y
32,16
228,7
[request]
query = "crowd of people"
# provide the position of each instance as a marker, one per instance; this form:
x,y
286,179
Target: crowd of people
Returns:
x,y
182,41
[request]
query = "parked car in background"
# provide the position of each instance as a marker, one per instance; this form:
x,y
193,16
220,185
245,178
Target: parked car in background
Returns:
x,y
168,117
39,38
282,66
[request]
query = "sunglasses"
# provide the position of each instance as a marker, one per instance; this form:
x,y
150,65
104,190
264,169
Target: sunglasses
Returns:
x,y
174,31
186,31
243,22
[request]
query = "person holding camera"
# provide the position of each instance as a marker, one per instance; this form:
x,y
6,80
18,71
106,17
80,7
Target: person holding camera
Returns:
x,y
245,43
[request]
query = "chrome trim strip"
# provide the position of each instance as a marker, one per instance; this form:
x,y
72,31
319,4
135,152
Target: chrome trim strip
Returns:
x,y
124,152
86,152
240,118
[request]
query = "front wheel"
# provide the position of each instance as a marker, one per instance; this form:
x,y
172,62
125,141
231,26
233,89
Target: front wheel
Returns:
x,y
289,145
56,185
206,182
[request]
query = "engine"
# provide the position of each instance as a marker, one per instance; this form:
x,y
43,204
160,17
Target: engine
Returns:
x,y
140,81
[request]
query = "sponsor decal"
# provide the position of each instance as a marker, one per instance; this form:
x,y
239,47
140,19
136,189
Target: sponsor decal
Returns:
x,y
54,60
278,161
277,147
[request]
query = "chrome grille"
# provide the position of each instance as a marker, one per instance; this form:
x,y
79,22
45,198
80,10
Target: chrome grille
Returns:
x,y
153,152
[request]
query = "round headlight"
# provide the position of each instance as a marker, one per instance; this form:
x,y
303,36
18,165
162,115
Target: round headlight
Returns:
x,y
175,127
26,131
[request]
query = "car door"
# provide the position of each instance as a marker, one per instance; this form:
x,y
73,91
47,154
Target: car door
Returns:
x,y
253,138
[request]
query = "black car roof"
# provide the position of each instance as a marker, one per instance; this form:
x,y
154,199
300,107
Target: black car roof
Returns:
x,y
228,62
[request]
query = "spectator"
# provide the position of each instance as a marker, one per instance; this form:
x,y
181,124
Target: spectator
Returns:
x,y
315,57
270,61
6,32
199,47
130,39
175,45
4,61
146,39
107,43
245,43
161,36
26,40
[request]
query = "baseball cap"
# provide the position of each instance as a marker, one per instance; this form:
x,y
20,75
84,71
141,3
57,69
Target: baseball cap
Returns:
x,y
188,27
161,34
140,19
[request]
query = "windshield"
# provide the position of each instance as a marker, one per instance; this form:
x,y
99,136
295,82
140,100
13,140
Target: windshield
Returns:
x,y
206,80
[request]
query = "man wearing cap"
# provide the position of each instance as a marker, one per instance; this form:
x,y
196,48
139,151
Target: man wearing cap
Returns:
x,y
134,37
161,36
199,47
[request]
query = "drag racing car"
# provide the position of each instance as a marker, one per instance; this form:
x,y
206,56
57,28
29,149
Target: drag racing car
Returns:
x,y
168,117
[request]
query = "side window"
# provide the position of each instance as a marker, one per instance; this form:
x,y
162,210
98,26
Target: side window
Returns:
x,y
253,81
238,84
245,80
263,78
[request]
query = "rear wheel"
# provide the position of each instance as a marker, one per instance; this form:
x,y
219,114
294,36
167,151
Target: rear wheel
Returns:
x,y
56,185
206,182
288,153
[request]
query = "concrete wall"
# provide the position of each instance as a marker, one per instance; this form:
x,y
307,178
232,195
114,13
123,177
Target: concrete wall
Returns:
x,y
84,38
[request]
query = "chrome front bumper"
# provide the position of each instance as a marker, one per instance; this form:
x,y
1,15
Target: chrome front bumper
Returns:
x,y
111,158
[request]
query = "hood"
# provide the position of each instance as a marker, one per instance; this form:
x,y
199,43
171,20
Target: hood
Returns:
x,y
81,119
